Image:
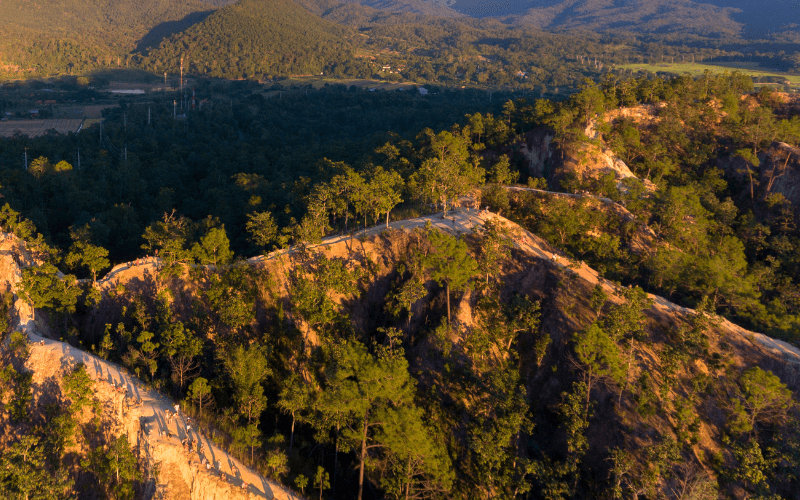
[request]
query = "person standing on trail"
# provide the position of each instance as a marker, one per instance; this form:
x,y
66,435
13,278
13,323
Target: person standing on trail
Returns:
x,y
177,409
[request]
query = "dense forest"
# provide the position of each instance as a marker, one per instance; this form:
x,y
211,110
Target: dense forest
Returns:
x,y
359,374
240,152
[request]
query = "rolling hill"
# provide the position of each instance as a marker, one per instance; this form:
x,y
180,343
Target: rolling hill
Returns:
x,y
116,21
46,36
257,37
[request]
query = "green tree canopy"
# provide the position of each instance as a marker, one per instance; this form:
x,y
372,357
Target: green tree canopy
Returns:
x,y
449,263
369,390
43,288
247,367
213,248
115,468
447,172
24,473
262,228
761,399
83,254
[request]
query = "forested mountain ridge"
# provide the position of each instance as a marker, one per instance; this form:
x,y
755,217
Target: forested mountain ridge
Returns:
x,y
108,424
127,18
713,164
547,378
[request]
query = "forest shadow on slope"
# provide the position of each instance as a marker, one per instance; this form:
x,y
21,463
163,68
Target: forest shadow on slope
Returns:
x,y
164,30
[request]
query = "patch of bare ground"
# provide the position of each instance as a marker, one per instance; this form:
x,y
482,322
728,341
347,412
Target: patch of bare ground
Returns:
x,y
130,407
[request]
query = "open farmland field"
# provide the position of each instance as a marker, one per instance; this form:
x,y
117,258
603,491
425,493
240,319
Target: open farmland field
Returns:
x,y
697,69
36,128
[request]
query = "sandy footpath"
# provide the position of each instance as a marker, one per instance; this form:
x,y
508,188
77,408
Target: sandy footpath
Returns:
x,y
154,424
461,221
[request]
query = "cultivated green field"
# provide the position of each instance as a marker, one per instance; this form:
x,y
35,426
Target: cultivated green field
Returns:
x,y
697,69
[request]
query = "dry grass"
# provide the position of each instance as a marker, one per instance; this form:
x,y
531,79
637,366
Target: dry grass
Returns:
x,y
37,128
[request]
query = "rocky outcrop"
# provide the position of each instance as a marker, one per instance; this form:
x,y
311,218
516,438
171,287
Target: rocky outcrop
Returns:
x,y
181,473
188,479
643,115
14,256
594,160
587,160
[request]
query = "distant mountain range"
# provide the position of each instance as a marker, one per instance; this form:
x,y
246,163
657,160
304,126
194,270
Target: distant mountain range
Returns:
x,y
755,19
142,23
439,8
747,17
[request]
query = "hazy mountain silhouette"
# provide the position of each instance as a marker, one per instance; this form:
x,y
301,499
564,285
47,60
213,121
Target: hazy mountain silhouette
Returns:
x,y
754,19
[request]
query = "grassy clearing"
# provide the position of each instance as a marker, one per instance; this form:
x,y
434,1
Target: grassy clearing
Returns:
x,y
91,121
697,69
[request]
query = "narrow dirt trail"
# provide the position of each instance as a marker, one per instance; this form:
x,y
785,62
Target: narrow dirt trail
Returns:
x,y
464,220
461,221
234,480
